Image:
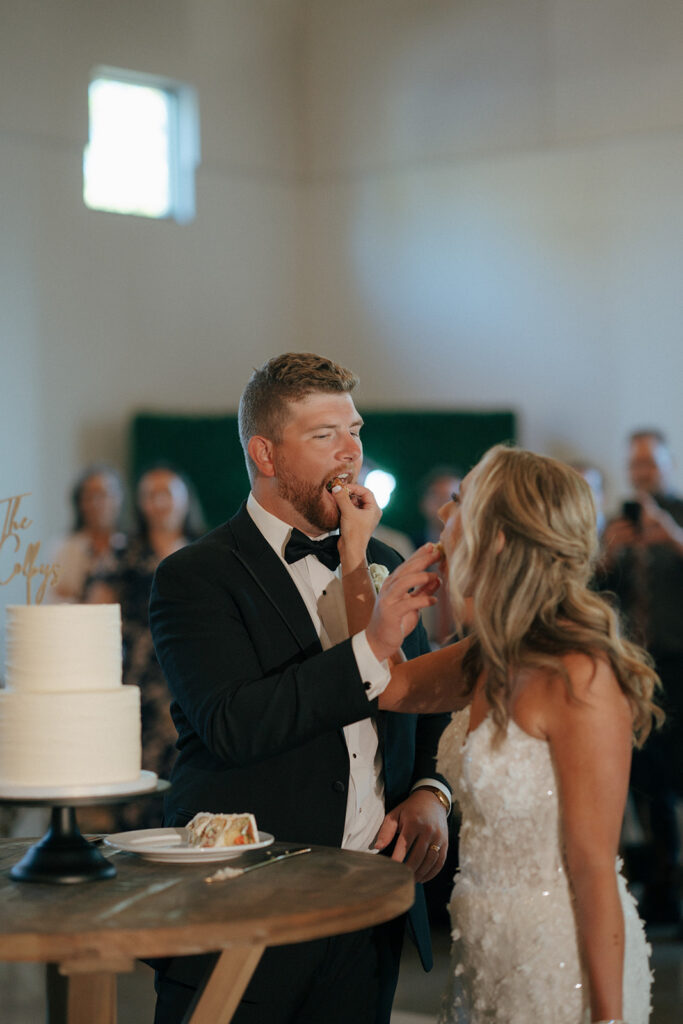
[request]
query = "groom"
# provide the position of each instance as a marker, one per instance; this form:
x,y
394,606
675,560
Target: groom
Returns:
x,y
276,708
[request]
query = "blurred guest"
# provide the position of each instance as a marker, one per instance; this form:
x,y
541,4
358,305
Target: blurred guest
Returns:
x,y
96,541
437,489
642,564
167,518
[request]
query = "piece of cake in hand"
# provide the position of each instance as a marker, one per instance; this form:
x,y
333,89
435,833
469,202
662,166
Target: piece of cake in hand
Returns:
x,y
209,830
337,481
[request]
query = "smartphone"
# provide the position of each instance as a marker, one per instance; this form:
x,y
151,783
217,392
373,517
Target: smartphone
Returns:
x,y
632,510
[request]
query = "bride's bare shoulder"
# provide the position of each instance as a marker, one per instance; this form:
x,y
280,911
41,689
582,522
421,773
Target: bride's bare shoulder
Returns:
x,y
591,677
543,697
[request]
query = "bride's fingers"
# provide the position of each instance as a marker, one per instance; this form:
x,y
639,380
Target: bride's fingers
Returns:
x,y
414,572
412,602
404,605
401,614
398,584
427,554
392,620
430,587
407,613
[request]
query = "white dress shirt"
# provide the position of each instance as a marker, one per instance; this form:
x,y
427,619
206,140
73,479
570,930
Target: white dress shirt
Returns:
x,y
322,593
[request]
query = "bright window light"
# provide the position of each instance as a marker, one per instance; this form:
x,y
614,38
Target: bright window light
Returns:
x,y
143,146
382,485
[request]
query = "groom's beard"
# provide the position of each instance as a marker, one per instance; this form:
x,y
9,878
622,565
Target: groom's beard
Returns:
x,y
308,499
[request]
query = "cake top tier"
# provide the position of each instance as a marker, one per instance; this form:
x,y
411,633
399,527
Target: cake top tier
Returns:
x,y
63,647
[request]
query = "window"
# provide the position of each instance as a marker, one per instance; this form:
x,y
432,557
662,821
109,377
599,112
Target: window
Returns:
x,y
143,145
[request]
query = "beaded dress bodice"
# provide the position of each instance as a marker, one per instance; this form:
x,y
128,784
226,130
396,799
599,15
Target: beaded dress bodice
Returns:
x,y
515,953
497,788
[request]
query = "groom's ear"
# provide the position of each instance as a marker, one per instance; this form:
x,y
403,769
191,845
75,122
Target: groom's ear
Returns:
x,y
261,452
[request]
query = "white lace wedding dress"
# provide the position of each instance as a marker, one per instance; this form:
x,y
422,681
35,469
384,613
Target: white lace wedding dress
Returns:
x,y
514,956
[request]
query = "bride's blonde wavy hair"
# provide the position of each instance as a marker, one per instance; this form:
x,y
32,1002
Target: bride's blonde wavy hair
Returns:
x,y
529,601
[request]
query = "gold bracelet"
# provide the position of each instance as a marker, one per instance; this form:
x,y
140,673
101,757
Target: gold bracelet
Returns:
x,y
440,796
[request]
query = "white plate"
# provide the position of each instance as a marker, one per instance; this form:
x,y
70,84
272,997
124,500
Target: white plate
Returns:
x,y
145,782
171,845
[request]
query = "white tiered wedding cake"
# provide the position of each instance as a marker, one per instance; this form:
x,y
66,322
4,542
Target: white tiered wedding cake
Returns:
x,y
66,720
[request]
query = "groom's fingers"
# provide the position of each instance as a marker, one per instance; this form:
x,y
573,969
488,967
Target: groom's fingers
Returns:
x,y
386,832
401,848
431,865
426,858
344,499
423,835
356,495
362,496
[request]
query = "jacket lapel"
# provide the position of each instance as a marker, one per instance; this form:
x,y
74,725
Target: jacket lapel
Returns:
x,y
255,554
375,554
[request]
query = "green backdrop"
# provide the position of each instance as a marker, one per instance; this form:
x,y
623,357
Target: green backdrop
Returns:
x,y
407,443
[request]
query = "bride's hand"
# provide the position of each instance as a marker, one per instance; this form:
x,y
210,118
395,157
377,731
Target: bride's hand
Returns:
x,y
404,593
360,515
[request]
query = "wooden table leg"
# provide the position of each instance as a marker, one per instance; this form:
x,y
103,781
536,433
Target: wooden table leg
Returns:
x,y
80,998
225,986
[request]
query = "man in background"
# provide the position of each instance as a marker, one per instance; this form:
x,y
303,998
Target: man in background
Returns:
x,y
642,563
436,490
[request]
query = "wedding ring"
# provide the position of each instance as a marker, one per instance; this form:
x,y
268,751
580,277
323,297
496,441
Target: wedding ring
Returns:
x,y
434,847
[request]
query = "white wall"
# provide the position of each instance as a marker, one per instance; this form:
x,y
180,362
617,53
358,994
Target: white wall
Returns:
x,y
473,203
496,204
101,315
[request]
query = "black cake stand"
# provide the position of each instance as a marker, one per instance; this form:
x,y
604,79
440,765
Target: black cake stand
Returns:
x,y
63,855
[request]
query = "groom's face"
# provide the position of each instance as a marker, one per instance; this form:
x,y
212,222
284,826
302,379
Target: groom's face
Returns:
x,y
320,440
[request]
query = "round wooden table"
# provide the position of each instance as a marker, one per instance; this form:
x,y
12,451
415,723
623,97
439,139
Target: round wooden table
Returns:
x,y
89,933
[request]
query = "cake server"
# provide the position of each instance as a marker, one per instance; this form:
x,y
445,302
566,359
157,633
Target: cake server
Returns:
x,y
223,873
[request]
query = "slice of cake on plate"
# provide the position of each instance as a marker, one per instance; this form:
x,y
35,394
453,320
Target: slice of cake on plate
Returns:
x,y
209,830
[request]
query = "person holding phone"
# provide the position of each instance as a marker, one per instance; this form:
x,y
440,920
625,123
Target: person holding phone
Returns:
x,y
642,564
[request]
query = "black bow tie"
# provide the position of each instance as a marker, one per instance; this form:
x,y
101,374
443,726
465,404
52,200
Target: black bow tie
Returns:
x,y
325,550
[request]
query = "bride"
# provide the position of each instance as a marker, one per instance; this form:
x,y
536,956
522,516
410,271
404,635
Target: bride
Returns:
x,y
548,699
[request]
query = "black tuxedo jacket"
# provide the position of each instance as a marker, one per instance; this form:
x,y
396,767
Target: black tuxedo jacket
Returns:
x,y
259,706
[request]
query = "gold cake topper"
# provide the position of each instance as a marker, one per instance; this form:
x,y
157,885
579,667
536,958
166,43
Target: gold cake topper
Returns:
x,y
14,525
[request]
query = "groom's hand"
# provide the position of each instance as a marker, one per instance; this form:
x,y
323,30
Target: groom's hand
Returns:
x,y
420,828
359,515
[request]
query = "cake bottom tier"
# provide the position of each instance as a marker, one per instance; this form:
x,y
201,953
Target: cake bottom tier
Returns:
x,y
70,739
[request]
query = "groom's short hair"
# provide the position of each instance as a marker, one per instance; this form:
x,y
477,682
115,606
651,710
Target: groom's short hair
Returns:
x,y
264,410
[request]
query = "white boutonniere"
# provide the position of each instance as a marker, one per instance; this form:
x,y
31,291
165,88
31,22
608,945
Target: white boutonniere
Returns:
x,y
378,574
